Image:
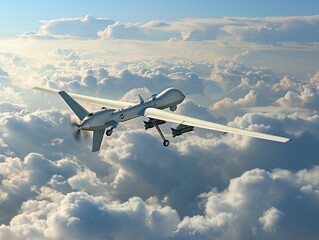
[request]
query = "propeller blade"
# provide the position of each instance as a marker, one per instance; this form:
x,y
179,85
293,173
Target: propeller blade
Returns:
x,y
86,134
78,134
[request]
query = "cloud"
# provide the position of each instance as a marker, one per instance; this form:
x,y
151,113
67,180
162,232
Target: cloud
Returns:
x,y
248,100
238,209
55,206
151,31
4,78
7,107
276,29
86,27
132,95
42,188
3,73
81,27
21,178
61,54
132,218
101,82
270,219
307,97
269,30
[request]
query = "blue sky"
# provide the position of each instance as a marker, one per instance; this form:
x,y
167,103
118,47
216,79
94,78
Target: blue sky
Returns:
x,y
20,16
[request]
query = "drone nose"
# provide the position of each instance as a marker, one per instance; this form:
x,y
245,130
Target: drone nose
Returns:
x,y
84,126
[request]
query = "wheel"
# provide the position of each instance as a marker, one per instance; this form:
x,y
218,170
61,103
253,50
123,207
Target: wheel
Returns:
x,y
166,143
108,132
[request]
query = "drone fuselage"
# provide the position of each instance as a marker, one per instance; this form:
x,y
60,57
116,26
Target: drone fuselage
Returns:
x,y
104,118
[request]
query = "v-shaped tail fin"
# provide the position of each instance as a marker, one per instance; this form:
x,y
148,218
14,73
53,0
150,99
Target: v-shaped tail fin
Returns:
x,y
97,139
80,111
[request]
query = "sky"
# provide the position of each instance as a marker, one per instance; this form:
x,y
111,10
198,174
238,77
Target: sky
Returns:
x,y
23,16
246,64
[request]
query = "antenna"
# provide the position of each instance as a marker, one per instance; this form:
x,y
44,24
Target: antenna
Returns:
x,y
141,99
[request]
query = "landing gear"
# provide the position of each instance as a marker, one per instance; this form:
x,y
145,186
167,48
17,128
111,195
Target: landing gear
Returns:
x,y
155,123
109,132
165,141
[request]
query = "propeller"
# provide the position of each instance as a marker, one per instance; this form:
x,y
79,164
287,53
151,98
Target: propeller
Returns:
x,y
78,134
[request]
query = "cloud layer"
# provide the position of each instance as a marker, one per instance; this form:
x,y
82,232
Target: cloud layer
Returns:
x,y
205,185
270,30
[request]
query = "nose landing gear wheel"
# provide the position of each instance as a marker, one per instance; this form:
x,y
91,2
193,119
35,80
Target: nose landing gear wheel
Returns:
x,y
166,143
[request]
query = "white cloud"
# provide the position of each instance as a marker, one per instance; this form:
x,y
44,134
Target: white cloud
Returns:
x,y
246,101
49,212
86,27
81,27
269,30
275,29
151,31
3,73
245,203
270,219
315,79
67,215
307,97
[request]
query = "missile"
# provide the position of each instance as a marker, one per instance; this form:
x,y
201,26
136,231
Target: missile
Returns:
x,y
181,129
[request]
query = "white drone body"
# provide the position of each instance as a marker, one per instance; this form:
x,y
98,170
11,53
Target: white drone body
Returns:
x,y
120,111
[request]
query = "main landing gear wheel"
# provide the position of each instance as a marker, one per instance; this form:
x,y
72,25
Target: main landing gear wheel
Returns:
x,y
165,142
109,132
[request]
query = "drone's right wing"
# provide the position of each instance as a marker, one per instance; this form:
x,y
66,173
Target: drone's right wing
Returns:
x,y
195,122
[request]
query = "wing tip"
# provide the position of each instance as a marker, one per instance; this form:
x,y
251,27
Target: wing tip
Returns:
x,y
48,90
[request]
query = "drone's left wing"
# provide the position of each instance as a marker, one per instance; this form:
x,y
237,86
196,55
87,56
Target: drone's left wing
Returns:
x,y
195,122
101,101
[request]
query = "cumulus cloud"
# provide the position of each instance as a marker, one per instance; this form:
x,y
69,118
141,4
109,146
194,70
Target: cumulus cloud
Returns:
x,y
54,206
307,97
269,30
86,27
275,29
81,27
246,101
245,204
40,187
151,31
154,75
270,219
